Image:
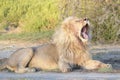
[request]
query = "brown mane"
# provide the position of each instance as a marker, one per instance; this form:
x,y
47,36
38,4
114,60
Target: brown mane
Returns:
x,y
69,45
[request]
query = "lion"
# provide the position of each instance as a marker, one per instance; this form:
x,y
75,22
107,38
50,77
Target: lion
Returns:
x,y
66,50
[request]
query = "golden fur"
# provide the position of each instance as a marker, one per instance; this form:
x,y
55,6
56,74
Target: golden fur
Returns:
x,y
67,49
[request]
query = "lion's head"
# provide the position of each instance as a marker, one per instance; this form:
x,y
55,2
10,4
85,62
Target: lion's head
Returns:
x,y
77,27
73,28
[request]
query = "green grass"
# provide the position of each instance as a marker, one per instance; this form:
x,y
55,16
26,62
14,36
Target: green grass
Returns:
x,y
28,36
31,15
105,70
34,16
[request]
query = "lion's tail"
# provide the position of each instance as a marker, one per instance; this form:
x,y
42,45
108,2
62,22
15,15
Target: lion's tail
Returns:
x,y
3,63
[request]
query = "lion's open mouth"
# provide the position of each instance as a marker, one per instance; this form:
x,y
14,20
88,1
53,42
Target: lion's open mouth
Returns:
x,y
84,32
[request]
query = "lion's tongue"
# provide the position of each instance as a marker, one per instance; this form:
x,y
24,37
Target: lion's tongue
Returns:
x,y
84,33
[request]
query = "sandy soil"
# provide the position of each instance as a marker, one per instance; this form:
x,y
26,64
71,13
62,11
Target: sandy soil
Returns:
x,y
107,53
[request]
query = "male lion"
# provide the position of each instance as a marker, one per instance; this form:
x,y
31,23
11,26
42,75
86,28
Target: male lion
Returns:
x,y
67,50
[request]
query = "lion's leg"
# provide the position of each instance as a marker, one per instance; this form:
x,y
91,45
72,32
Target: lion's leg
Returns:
x,y
23,70
3,63
94,64
23,60
64,66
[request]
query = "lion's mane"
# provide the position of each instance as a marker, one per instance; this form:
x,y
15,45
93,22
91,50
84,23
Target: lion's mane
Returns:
x,y
69,46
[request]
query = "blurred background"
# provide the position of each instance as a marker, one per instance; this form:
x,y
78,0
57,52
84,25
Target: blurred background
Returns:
x,y
36,19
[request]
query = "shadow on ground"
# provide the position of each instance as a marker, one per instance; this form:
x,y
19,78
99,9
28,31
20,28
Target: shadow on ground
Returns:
x,y
109,56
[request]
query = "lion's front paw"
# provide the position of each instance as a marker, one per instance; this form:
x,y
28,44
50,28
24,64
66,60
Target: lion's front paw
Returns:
x,y
94,65
66,70
31,70
102,65
106,68
65,67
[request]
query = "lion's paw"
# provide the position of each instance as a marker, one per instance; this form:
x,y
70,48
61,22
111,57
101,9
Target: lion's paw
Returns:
x,y
109,65
66,70
31,70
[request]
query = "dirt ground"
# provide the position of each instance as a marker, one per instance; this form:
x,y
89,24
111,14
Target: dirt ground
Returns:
x,y
106,53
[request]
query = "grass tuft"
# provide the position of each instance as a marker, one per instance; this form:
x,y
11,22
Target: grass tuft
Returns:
x,y
105,70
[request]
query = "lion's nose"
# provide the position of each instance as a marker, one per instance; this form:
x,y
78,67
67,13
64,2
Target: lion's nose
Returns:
x,y
86,20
